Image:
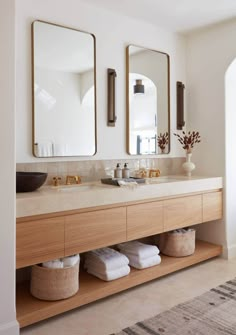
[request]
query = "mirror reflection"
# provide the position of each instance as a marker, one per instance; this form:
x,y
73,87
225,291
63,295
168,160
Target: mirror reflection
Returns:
x,y
147,101
64,101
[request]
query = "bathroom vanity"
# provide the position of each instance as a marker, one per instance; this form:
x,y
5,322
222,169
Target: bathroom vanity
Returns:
x,y
54,222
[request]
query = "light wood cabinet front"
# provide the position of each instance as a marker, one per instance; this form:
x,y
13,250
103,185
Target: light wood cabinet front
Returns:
x,y
38,241
182,212
144,220
212,206
88,231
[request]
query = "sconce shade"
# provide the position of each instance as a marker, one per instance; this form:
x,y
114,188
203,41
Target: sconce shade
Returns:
x,y
138,87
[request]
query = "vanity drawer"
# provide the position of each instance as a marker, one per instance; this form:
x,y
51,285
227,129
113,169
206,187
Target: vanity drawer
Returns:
x,y
38,241
144,220
182,212
92,230
212,206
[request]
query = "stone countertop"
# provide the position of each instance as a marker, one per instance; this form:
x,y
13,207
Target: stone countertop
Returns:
x,y
49,199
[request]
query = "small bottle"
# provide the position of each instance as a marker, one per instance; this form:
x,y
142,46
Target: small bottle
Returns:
x,y
125,171
118,171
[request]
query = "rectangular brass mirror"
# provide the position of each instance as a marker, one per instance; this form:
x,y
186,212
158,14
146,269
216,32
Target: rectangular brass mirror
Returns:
x,y
64,91
148,101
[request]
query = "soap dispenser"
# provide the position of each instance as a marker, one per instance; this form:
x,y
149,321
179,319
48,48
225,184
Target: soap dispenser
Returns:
x,y
125,171
118,171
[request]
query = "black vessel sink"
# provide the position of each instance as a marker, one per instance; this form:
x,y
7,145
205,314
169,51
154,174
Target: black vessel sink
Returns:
x,y
29,181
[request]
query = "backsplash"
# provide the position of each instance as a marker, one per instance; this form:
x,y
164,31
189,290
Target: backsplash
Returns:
x,y
94,170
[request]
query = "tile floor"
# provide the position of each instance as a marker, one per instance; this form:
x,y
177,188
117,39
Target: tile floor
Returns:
x,y
124,309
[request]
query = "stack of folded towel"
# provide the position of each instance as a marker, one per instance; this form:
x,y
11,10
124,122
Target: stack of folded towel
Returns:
x,y
62,262
106,264
140,255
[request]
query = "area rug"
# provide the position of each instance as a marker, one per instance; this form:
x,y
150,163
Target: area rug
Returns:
x,y
213,313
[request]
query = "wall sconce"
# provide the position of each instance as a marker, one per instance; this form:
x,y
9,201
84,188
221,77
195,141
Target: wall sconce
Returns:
x,y
180,104
139,87
111,112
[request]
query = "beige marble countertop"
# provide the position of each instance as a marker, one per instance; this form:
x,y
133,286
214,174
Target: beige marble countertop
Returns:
x,y
49,199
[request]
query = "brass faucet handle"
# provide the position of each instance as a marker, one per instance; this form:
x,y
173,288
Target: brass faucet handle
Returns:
x,y
142,173
68,178
74,179
78,179
56,181
154,173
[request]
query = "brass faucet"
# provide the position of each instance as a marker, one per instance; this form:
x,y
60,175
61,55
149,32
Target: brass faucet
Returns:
x,y
73,180
142,173
56,181
154,173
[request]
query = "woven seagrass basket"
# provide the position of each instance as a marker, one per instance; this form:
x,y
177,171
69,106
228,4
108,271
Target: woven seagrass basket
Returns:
x,y
54,284
177,244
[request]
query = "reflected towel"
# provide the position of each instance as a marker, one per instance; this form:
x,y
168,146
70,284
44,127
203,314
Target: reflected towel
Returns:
x,y
60,149
55,264
139,249
112,274
138,263
106,258
44,149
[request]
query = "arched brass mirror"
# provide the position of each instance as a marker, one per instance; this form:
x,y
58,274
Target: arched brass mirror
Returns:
x,y
64,91
148,105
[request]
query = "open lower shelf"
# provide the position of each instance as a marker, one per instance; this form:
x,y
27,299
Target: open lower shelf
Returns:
x,y
31,310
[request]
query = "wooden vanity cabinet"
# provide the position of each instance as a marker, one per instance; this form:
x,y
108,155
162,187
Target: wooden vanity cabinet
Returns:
x,y
39,240
144,220
92,230
182,212
212,206
61,234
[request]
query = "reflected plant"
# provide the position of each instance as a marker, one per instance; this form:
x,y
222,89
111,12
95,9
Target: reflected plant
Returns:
x,y
188,140
162,141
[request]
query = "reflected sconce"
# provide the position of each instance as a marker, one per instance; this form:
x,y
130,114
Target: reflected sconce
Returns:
x,y
111,111
180,104
139,87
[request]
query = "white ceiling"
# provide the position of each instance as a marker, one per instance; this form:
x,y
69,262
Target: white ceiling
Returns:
x,y
174,15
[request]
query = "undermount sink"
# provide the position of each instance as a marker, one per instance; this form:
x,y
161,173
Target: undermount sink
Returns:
x,y
164,179
74,188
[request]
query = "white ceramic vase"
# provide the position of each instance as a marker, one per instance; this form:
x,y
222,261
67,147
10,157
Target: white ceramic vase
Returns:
x,y
188,166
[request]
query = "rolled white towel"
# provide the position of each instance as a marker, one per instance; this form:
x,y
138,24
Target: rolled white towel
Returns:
x,y
181,231
139,249
98,267
144,263
106,258
54,264
70,260
112,274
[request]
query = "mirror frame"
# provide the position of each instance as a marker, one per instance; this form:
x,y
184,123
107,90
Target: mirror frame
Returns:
x,y
32,86
127,100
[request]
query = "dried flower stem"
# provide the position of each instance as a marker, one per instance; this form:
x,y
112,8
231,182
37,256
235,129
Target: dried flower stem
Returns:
x,y
188,140
162,141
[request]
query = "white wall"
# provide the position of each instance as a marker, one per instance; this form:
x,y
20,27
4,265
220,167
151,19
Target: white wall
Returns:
x,y
8,324
113,33
230,157
209,54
